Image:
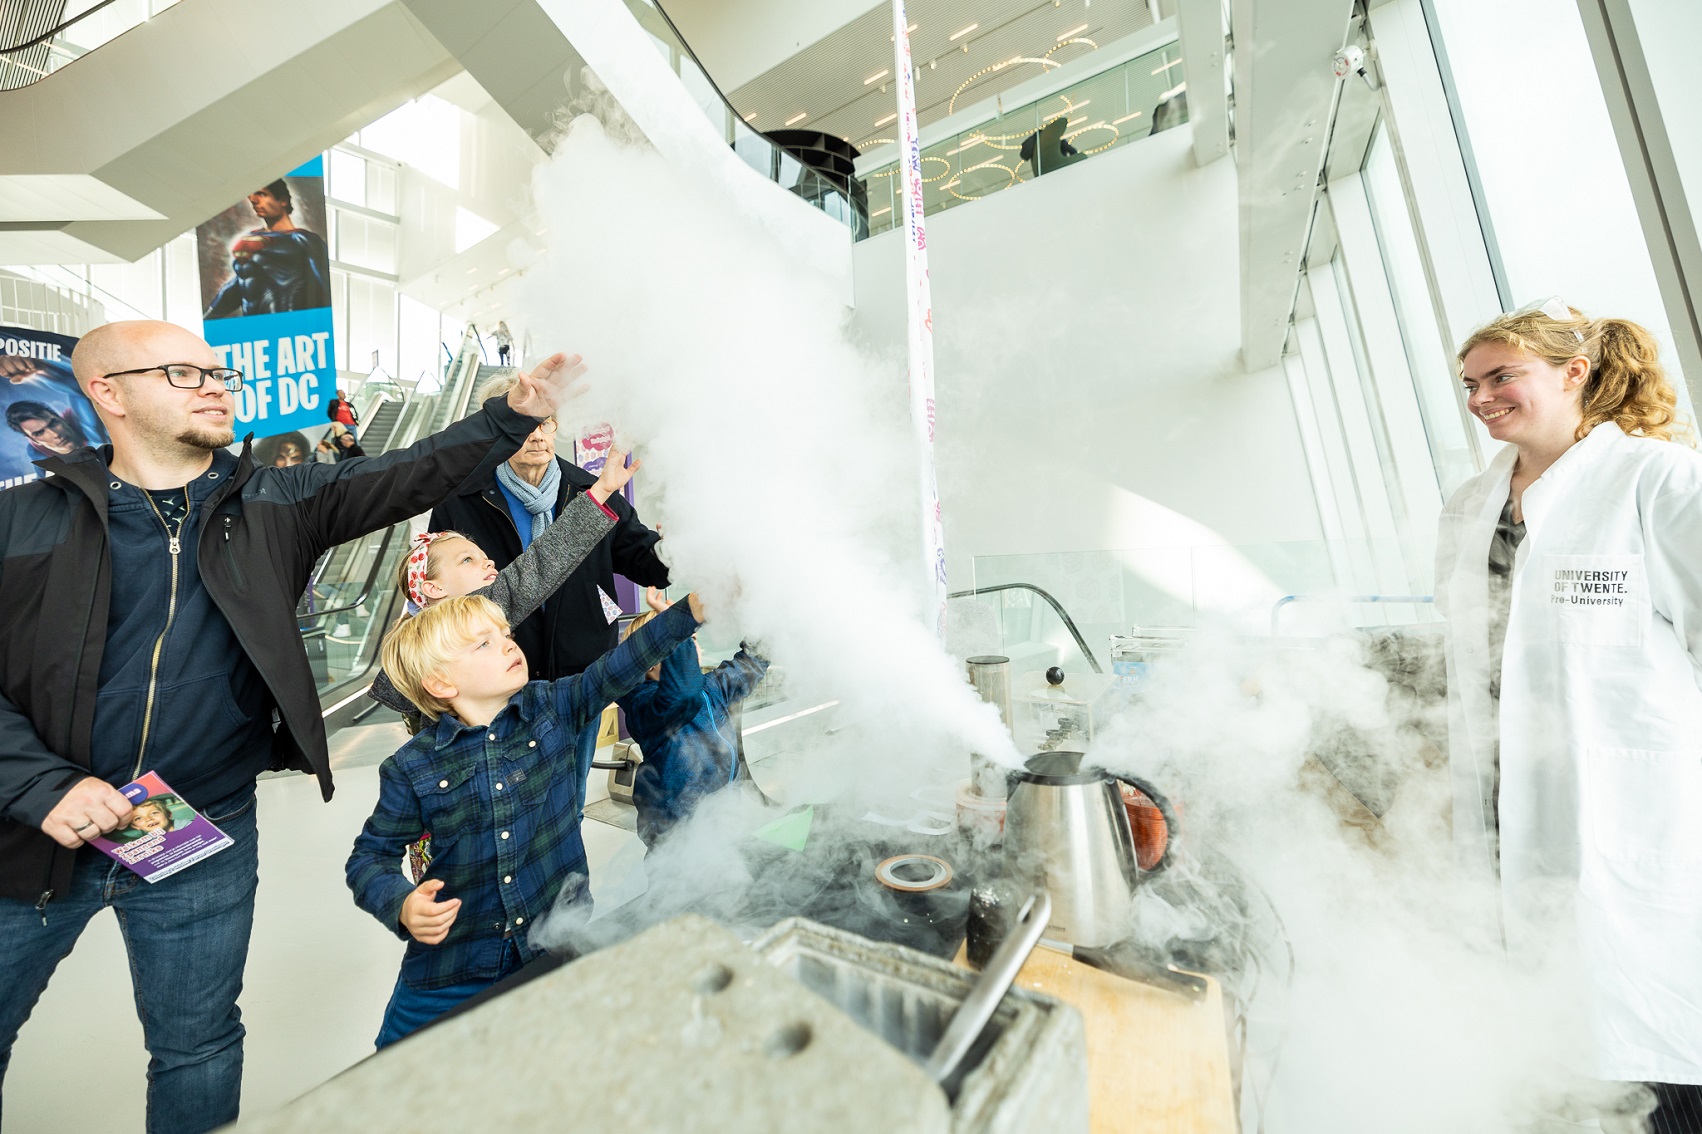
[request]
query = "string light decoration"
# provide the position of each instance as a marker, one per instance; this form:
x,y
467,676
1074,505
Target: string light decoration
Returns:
x,y
939,177
1101,125
992,163
951,105
1066,42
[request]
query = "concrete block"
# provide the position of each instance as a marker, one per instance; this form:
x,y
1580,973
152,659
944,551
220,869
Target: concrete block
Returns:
x,y
683,1028
1027,1072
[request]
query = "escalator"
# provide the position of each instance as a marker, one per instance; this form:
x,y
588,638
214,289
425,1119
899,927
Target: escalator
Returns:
x,y
352,598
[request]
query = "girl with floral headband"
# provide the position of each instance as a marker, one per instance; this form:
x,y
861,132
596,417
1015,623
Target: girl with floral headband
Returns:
x,y
442,565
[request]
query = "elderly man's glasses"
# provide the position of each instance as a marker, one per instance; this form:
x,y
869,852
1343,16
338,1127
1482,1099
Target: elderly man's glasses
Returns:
x,y
547,426
187,377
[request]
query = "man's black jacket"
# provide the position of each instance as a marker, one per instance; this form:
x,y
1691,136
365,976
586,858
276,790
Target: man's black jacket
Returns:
x,y
570,631
262,532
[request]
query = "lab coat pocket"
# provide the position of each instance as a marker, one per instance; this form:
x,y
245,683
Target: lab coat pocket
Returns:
x,y
1643,807
1595,600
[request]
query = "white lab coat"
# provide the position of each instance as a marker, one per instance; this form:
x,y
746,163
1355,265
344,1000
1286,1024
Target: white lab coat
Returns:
x,y
1600,731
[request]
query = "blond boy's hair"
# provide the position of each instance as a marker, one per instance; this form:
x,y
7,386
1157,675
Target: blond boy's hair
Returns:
x,y
421,646
638,623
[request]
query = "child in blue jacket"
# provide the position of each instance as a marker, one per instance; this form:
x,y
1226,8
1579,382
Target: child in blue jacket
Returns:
x,y
682,719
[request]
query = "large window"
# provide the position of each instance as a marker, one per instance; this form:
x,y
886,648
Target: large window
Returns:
x,y
1547,163
1398,270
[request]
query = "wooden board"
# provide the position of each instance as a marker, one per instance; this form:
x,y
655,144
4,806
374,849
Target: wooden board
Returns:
x,y
1156,1061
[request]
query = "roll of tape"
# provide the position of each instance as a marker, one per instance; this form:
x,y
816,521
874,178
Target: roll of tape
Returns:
x,y
914,873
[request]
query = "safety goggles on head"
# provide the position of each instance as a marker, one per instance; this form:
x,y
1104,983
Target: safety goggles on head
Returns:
x,y
1555,308
187,377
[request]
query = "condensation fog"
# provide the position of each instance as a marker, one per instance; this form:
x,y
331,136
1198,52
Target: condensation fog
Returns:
x,y
777,464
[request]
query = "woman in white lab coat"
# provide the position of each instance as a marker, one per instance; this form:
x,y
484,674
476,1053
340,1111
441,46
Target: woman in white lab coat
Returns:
x,y
1570,572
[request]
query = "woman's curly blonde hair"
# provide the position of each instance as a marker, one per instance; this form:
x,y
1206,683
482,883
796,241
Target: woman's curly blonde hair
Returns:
x,y
1627,384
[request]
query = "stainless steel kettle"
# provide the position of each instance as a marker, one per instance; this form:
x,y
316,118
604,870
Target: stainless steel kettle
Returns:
x,y
1067,833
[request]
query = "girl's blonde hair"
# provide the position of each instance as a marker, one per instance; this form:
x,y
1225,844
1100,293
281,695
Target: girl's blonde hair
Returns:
x,y
1627,384
422,645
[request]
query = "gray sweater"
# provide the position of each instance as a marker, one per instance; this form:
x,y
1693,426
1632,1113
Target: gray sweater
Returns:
x,y
524,584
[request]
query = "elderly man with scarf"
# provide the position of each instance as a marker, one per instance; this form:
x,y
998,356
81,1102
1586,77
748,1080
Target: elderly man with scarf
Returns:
x,y
504,512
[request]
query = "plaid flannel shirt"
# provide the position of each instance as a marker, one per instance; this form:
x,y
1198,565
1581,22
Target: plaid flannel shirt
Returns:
x,y
502,805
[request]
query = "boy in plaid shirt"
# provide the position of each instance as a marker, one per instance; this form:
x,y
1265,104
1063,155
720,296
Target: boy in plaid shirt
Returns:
x,y
492,778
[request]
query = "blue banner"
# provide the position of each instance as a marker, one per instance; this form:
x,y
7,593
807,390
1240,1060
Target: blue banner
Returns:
x,y
266,288
288,365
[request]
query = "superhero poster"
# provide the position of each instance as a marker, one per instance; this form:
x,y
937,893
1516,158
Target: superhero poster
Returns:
x,y
266,296
45,410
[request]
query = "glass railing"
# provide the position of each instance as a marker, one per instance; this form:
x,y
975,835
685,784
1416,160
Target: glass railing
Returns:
x,y
1130,101
1295,590
83,27
756,150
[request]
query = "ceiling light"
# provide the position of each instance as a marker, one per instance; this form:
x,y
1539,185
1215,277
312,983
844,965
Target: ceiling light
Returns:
x,y
797,118
751,117
880,212
907,31
957,35
1125,118
1072,31
1167,66
893,117
876,77
931,64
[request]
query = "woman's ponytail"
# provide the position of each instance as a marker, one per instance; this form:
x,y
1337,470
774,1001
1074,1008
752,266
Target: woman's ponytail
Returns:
x,y
1627,385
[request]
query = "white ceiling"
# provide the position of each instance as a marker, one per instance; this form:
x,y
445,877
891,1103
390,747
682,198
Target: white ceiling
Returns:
x,y
825,81
737,40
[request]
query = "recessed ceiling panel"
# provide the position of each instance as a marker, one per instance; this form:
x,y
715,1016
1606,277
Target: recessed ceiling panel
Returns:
x,y
836,85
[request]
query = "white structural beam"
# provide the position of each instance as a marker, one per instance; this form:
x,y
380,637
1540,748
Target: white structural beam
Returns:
x,y
1203,65
1285,94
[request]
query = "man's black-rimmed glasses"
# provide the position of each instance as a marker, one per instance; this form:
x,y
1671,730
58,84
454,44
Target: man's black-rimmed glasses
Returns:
x,y
187,377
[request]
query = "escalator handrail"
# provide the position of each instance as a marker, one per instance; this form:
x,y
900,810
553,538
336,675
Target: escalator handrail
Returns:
x,y
50,33
1057,607
371,578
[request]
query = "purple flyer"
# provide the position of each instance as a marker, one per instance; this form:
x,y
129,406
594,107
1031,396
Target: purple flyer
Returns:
x,y
165,833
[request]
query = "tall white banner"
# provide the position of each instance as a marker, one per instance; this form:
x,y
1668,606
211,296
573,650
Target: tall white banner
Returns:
x,y
921,311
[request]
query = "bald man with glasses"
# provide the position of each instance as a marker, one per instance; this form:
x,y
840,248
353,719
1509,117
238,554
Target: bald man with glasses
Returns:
x,y
148,594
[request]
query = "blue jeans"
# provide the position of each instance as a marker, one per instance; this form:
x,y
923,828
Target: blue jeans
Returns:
x,y
187,939
411,1009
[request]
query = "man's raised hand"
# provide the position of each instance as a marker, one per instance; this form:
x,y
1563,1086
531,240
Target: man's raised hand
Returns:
x,y
552,383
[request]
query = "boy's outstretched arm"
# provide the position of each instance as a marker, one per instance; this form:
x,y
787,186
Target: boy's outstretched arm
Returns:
x,y
371,871
578,700
734,678
678,688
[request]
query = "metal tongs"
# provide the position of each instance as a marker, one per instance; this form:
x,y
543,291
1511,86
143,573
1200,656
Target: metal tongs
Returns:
x,y
995,980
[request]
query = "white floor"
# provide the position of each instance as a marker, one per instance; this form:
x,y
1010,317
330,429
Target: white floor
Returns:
x,y
319,970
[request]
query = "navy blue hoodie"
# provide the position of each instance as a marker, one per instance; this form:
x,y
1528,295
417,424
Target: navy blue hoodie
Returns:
x,y
210,729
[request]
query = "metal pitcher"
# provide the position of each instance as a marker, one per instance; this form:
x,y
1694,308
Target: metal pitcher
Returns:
x,y
1067,833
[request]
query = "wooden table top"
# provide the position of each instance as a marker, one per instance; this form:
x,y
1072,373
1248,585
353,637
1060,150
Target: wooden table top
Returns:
x,y
1156,1061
